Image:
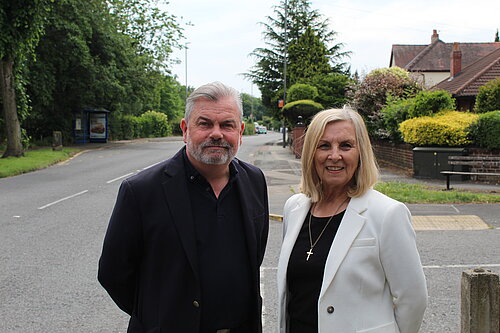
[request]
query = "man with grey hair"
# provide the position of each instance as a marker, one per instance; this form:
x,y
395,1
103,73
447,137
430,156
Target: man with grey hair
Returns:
x,y
187,236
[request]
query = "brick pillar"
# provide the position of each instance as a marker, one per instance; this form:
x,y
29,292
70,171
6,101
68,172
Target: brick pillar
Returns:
x,y
298,137
479,302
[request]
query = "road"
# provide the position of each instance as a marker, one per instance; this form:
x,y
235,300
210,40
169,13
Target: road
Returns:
x,y
52,223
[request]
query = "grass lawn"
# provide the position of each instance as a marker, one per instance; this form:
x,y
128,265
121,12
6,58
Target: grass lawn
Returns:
x,y
416,193
33,160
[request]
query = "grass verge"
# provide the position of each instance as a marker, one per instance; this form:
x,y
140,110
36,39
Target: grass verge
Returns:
x,y
33,160
416,193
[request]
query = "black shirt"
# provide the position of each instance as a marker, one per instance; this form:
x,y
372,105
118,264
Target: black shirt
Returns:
x,y
304,277
222,252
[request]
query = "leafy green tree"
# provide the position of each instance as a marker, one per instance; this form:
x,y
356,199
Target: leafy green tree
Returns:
x,y
370,95
155,31
333,89
88,58
21,25
268,71
252,107
308,57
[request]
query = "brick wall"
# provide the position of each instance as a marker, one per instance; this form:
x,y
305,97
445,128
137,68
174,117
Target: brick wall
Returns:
x,y
398,156
481,152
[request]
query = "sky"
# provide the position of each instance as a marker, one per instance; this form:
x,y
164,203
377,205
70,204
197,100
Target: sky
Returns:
x,y
223,33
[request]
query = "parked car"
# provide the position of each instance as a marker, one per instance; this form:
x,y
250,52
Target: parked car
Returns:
x,y
260,129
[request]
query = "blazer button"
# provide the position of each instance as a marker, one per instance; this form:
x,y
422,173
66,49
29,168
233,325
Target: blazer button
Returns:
x,y
196,304
330,309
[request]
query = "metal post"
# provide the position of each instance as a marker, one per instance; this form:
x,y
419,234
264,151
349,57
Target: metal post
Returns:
x,y
284,69
186,66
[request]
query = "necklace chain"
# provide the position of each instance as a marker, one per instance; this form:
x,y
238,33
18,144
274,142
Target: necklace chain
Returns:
x,y
310,252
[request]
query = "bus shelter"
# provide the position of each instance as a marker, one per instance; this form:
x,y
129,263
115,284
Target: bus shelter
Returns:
x,y
90,125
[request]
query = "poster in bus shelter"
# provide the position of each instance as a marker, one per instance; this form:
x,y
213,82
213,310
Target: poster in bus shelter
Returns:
x,y
97,126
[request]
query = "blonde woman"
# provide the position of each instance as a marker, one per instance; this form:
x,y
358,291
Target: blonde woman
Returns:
x,y
349,261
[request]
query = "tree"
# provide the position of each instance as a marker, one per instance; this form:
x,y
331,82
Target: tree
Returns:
x,y
155,31
370,95
497,37
88,58
308,57
267,73
21,23
252,107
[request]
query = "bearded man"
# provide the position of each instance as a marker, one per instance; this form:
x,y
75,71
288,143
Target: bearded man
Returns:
x,y
187,237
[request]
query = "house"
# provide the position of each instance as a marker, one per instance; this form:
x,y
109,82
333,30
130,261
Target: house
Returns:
x,y
431,63
464,83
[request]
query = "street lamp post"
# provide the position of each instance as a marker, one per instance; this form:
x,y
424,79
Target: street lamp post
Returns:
x,y
186,65
284,70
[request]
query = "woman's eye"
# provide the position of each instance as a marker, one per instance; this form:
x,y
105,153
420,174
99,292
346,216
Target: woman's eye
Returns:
x,y
346,145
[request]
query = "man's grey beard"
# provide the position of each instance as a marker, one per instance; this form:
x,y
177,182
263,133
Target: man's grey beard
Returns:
x,y
222,157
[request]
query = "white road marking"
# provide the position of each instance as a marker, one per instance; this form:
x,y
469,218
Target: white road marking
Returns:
x,y
66,198
118,178
152,165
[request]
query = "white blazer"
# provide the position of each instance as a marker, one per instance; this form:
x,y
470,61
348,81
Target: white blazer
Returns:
x,y
373,280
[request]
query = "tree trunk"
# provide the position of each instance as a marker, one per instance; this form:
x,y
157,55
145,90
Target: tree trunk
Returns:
x,y
12,126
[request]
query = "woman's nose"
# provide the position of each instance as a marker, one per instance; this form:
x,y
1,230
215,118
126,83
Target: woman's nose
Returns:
x,y
334,155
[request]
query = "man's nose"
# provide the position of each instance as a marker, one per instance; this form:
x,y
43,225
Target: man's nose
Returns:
x,y
216,132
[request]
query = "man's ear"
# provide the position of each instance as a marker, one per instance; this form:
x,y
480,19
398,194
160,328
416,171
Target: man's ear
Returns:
x,y
184,128
242,130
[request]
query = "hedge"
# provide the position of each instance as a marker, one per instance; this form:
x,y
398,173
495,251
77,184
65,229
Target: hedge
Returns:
x,y
448,128
485,132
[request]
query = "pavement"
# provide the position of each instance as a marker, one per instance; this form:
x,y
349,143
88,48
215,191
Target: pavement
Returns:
x,y
283,172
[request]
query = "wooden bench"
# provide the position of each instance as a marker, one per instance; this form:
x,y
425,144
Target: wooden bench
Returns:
x,y
472,162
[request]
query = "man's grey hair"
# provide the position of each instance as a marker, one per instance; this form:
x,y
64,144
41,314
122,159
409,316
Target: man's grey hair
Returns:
x,y
213,91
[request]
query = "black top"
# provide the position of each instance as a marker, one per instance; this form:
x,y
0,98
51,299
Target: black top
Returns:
x,y
222,252
304,277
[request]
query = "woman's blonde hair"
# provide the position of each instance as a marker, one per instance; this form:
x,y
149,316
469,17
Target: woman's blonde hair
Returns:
x,y
366,174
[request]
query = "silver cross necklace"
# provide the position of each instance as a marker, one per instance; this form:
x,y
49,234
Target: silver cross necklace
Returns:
x,y
312,245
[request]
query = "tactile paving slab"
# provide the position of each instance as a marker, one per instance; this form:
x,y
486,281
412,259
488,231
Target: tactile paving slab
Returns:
x,y
449,222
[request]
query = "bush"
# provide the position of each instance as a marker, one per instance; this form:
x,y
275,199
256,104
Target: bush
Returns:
x,y
305,108
444,129
488,98
301,91
427,103
485,132
155,124
370,96
131,127
396,111
249,129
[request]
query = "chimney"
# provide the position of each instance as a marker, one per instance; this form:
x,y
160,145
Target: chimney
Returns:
x,y
456,60
435,36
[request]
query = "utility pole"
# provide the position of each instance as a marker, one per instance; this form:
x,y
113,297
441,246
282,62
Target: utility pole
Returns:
x,y
284,70
186,66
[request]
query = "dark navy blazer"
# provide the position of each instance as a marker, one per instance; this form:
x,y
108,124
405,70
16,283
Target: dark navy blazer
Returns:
x,y
149,263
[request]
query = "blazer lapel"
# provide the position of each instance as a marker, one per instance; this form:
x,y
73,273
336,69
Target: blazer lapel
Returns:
x,y
351,225
243,184
295,219
177,199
